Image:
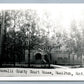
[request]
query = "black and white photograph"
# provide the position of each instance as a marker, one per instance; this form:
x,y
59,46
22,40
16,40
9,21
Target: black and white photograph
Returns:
x,y
42,40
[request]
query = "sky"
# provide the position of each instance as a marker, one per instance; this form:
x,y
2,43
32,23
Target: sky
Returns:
x,y
60,15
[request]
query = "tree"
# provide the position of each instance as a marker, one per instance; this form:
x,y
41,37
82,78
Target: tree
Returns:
x,y
73,42
21,33
2,34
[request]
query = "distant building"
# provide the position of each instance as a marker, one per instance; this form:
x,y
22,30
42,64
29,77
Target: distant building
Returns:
x,y
36,56
64,58
57,57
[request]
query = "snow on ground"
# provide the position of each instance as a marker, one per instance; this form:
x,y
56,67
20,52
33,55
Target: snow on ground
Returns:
x,y
58,66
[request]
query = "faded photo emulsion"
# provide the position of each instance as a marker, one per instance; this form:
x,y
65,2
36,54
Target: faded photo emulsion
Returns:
x,y
42,40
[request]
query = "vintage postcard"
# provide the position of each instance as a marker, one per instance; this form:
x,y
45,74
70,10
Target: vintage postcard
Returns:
x,y
41,42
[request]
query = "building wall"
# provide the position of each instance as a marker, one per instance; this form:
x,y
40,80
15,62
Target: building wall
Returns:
x,y
32,56
58,57
64,58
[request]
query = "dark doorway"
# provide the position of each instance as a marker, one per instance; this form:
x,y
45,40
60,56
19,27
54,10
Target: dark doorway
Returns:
x,y
38,56
46,58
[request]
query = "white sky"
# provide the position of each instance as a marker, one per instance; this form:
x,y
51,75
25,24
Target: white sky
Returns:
x,y
60,14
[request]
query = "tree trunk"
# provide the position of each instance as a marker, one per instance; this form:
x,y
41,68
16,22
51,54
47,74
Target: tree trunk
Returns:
x,y
69,59
29,58
81,60
29,54
2,37
73,59
49,60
